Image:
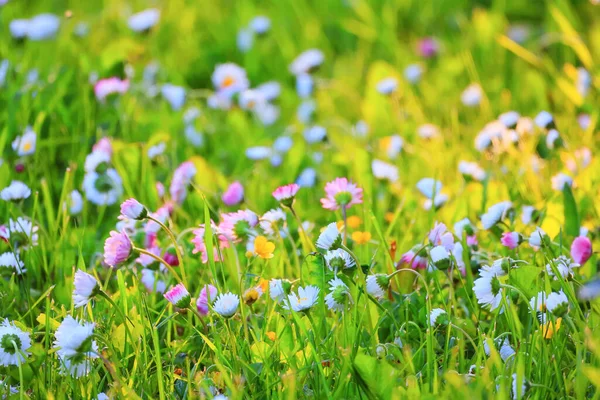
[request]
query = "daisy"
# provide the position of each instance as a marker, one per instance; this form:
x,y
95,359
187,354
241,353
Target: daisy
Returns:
x,y
106,87
304,300
85,287
488,291
581,249
75,202
220,101
438,201
226,304
117,249
278,288
377,285
544,120
103,189
269,221
230,79
234,194
238,225
269,90
14,344
464,226
16,191
152,282
251,99
178,296
330,238
564,265
314,134
75,346
305,111
307,61
175,95
471,170
182,178
387,86
553,139
157,150
307,178
511,239
19,28
440,257
537,237
339,295
12,262
144,20
517,392
495,214
509,119
413,73
245,40
428,131
589,291
561,180
286,194
24,145
97,161
429,187
207,297
260,24
383,170
472,95
259,153
557,303
527,214
416,261
133,209
304,85
42,26
341,193
437,317
23,234
267,113
339,259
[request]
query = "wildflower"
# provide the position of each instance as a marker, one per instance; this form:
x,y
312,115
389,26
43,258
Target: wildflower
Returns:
x,y
314,134
538,306
377,285
413,73
304,85
238,225
86,287
16,191
244,40
75,345
307,178
464,226
207,296
286,194
438,317
561,180
341,193
133,209
495,214
152,282
387,85
353,221
383,170
429,187
42,26
226,304
517,391
557,303
551,327
581,249
527,214
339,259
117,249
278,288
488,291
12,262
471,170
438,201
509,119
361,237
175,95
182,178
263,248
260,24
330,238
537,237
14,344
428,131
269,221
440,257
106,87
230,79
339,295
544,120
307,61
22,233
25,145
178,296
428,47
234,194
439,235
415,260
472,95
75,202
258,153
553,139
144,20
511,239
103,189
304,300
564,265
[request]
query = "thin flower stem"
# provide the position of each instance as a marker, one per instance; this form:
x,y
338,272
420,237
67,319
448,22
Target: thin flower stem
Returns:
x,y
159,259
175,244
301,227
356,260
103,294
345,218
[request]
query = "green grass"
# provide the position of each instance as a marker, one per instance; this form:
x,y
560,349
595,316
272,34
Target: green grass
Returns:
x,y
265,351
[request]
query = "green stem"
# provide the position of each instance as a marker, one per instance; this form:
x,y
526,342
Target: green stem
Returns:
x,y
177,249
160,260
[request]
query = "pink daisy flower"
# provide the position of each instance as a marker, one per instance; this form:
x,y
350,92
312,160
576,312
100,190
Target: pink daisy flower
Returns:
x,y
178,296
105,87
511,239
234,194
117,249
415,261
237,225
285,194
581,249
182,177
428,47
341,193
133,209
207,296
103,145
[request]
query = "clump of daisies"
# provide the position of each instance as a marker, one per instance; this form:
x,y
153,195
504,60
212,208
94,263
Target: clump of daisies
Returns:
x,y
102,184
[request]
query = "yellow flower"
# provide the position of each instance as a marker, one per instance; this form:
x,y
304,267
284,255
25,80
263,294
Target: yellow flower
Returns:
x,y
361,237
263,248
354,221
389,216
550,328
271,335
340,225
251,295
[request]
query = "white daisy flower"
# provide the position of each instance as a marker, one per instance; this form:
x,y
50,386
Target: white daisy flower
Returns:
x,y
175,95
97,161
251,99
267,113
230,79
307,177
509,119
283,144
437,317
304,85
315,134
156,150
260,24
557,303
428,131
75,346
144,20
193,136
43,26
152,282
305,111
361,129
553,139
464,225
537,237
527,213
269,90
103,189
245,40
12,262
270,220
85,287
560,180
304,300
377,285
413,73
16,191
564,265
429,187
495,214
472,95
440,257
259,153
226,304
307,61
339,296
330,238
25,144
387,86
438,201
75,202
278,288
488,291
23,234
14,344
471,170
339,259
544,119
19,28
383,170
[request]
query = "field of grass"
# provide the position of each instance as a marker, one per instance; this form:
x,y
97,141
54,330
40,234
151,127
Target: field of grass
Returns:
x,y
343,199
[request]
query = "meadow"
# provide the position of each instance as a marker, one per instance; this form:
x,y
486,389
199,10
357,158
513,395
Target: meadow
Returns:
x,y
333,199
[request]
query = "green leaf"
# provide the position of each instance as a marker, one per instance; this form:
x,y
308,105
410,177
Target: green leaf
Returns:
x,y
571,216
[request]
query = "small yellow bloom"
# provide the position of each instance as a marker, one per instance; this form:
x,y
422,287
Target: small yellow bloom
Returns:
x,y
271,335
263,285
250,296
263,248
361,237
354,221
550,328
389,216
340,225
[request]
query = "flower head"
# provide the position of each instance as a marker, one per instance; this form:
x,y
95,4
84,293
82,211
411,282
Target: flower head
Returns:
x,y
24,145
581,249
16,191
234,194
86,287
144,20
286,194
437,317
511,239
178,296
279,288
106,87
117,249
207,296
307,61
133,209
76,347
557,303
339,296
341,193
12,262
226,304
304,300
263,248
339,259
377,285
330,238
564,265
229,79
14,344
495,214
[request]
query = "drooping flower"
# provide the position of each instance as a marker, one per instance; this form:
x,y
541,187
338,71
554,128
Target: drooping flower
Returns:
x,y
437,317
207,296
279,288
22,233
133,209
85,287
14,344
414,260
144,20
341,193
24,145
307,61
440,257
286,194
304,300
16,191
339,259
377,285
495,214
511,239
75,346
263,248
12,262
226,304
234,194
330,238
339,296
557,303
581,249
117,249
564,265
537,237
179,296
106,87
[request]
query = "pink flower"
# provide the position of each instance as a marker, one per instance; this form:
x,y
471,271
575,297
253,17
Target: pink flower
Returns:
x,y
234,194
200,245
415,261
105,87
4,234
171,258
182,177
103,145
341,193
205,298
237,225
178,296
117,249
581,249
428,47
145,260
285,194
133,209
511,239
472,240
